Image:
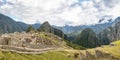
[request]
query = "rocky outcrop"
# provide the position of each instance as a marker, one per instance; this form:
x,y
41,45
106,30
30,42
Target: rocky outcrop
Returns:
x,y
88,38
110,34
46,27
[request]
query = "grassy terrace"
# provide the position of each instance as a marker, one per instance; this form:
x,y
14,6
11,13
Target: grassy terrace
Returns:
x,y
68,54
113,49
56,55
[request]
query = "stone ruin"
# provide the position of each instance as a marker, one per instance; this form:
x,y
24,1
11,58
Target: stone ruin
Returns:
x,y
28,40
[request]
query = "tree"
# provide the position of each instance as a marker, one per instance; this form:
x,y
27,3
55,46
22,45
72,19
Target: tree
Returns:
x,y
30,29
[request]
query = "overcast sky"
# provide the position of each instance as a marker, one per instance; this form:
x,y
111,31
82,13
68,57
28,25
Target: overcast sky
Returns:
x,y
60,12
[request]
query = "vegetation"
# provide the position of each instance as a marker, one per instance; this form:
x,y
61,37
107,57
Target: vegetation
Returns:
x,y
75,46
107,52
56,55
88,39
30,29
113,49
8,25
46,27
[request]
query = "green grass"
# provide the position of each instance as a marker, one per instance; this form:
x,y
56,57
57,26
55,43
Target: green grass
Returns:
x,y
56,55
113,50
52,38
62,55
116,42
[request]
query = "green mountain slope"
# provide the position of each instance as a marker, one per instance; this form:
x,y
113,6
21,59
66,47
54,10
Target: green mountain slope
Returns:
x,y
88,39
8,25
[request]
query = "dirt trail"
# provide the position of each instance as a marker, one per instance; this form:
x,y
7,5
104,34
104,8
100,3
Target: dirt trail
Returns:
x,y
24,50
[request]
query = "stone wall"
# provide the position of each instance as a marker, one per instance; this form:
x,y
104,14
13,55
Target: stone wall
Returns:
x,y
26,40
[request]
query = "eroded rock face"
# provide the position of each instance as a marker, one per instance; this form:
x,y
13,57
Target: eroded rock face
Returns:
x,y
110,34
34,40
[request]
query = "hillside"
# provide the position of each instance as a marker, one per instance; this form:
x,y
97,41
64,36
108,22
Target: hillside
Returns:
x,y
8,25
46,27
110,34
88,38
30,42
73,31
107,52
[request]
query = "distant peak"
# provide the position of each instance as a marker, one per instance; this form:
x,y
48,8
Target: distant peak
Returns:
x,y
118,18
46,23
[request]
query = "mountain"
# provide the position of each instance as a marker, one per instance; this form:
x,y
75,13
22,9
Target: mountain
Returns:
x,y
73,31
46,27
8,25
88,38
110,34
23,26
97,27
36,25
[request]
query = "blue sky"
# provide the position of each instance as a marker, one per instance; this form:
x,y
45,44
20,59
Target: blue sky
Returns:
x,y
61,12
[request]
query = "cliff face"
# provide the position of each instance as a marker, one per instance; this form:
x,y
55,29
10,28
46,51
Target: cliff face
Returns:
x,y
46,27
88,38
110,34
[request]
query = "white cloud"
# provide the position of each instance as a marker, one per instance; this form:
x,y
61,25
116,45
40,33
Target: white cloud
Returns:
x,y
61,12
6,6
115,11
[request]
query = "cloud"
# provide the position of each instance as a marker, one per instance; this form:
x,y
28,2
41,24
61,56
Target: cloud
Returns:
x,y
60,12
115,11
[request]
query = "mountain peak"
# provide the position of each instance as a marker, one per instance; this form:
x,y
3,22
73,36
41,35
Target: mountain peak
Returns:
x,y
46,23
117,19
88,38
46,27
